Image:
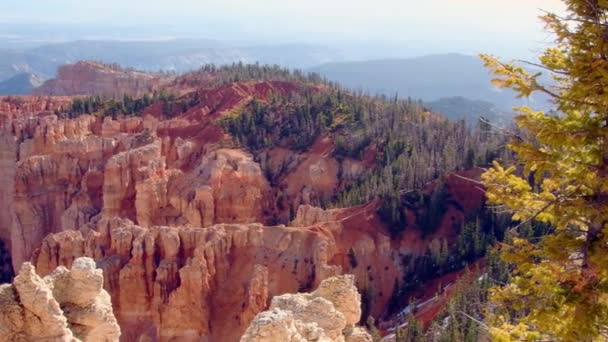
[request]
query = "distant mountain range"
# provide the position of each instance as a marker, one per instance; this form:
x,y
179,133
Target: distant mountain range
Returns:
x,y
169,55
20,84
429,78
454,84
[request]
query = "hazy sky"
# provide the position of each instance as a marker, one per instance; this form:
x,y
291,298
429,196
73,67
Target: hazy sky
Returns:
x,y
502,26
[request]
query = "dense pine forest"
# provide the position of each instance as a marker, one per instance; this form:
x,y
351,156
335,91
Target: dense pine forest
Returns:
x,y
411,146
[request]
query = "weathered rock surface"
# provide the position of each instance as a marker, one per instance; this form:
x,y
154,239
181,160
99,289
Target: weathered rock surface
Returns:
x,y
12,107
327,314
64,173
194,283
67,305
92,78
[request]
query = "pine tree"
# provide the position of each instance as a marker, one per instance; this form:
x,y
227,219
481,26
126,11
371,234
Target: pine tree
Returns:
x,y
412,332
559,286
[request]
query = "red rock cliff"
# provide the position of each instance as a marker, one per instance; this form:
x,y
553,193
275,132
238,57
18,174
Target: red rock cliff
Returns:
x,y
91,78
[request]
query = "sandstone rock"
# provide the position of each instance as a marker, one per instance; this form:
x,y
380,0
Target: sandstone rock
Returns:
x,y
341,291
358,334
125,173
308,215
60,174
226,187
68,305
195,283
56,180
327,314
8,167
317,311
43,317
281,326
12,107
91,78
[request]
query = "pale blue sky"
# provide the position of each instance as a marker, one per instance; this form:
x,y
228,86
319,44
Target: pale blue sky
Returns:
x,y
501,26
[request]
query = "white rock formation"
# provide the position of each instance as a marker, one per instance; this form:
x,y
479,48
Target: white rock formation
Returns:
x,y
328,314
67,305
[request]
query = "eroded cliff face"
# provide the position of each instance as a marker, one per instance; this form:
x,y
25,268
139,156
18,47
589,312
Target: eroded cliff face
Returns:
x,y
328,314
193,283
66,305
92,78
59,174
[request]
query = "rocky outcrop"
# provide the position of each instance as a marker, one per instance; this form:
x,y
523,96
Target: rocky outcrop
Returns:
x,y
59,174
308,215
8,167
19,106
92,78
67,305
57,179
327,314
226,187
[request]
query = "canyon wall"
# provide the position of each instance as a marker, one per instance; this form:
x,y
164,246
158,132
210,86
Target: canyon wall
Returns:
x,y
92,78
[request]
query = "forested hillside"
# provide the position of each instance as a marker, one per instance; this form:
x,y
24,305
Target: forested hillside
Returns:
x,y
547,280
